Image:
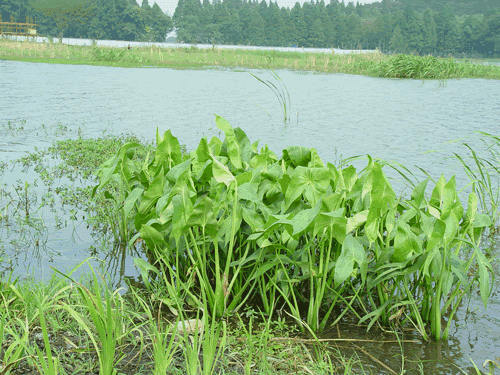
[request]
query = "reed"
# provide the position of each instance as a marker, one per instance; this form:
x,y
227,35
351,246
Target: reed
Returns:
x,y
484,172
425,67
104,319
281,93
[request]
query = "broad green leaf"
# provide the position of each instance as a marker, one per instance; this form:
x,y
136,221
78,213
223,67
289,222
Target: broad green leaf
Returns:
x,y
471,208
334,221
131,200
221,174
437,237
152,194
349,178
203,173
228,226
174,173
151,236
312,182
437,193
316,161
297,156
459,268
203,151
429,258
183,208
168,151
253,219
449,195
482,221
372,226
382,194
245,146
233,147
406,243
203,215
248,192
215,146
243,178
145,268
484,276
417,195
266,157
356,221
352,252
304,218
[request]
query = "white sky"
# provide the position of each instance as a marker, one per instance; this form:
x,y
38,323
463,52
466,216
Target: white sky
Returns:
x,y
170,5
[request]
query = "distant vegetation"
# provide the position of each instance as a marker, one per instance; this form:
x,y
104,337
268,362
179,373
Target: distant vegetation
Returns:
x,y
419,26
371,64
92,19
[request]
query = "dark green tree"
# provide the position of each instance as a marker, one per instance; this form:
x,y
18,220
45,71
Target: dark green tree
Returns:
x,y
160,24
492,33
398,43
255,28
65,12
448,34
273,25
299,25
412,29
429,36
17,9
187,21
473,34
382,31
206,19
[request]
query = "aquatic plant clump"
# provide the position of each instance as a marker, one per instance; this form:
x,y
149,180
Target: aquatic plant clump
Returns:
x,y
233,225
411,66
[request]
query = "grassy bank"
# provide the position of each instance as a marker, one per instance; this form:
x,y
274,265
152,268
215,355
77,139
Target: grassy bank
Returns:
x,y
371,64
69,326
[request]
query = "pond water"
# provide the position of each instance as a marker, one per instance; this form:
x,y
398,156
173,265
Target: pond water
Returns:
x,y
409,121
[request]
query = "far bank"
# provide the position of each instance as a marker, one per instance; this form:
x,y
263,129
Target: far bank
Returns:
x,y
134,55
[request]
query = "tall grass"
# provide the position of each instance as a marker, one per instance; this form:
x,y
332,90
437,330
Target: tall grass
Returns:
x,y
281,93
484,172
423,67
104,321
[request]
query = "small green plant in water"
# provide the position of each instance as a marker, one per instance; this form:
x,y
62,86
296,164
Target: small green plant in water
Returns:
x,y
281,93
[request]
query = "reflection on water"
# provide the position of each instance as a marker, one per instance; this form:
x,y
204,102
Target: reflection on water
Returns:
x,y
384,351
408,121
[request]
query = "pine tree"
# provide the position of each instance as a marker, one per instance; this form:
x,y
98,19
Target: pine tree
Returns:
x,y
398,43
255,30
412,29
299,24
429,36
448,34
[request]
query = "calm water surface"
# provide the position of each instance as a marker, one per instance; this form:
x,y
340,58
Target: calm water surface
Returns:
x,y
409,121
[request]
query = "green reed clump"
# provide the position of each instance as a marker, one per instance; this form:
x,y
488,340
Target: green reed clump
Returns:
x,y
107,54
233,224
421,67
281,93
484,173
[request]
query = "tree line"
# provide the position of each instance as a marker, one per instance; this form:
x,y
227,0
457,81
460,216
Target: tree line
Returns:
x,y
92,19
391,26
436,27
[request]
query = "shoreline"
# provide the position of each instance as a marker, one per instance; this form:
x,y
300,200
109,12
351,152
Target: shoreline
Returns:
x,y
368,63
